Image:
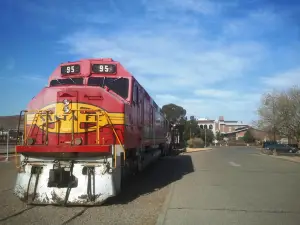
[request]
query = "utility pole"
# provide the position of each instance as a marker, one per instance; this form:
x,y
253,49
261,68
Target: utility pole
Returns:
x,y
274,127
7,144
205,137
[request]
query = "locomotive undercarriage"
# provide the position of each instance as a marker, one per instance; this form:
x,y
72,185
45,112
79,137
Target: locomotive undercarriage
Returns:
x,y
78,181
84,181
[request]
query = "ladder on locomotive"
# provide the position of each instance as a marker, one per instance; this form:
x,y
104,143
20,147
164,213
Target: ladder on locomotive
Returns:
x,y
36,117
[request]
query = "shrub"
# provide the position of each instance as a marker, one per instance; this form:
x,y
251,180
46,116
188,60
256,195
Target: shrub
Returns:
x,y
248,137
195,143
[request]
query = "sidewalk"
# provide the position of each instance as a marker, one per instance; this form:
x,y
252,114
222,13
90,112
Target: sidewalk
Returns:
x,y
293,157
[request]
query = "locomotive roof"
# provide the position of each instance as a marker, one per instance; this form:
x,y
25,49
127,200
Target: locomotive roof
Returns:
x,y
86,69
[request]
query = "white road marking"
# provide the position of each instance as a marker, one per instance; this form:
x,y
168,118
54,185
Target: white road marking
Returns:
x,y
234,164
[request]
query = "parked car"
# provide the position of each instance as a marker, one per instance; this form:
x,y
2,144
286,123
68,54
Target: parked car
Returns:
x,y
266,144
282,148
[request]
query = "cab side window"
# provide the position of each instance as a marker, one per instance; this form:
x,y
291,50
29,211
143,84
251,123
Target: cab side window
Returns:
x,y
135,94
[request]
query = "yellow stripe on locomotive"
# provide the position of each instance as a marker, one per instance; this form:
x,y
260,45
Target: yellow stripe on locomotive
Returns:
x,y
85,118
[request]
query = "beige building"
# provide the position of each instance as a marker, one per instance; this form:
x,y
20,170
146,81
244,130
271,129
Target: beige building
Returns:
x,y
224,126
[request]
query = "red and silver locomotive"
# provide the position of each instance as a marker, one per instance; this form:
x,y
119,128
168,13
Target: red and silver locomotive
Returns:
x,y
93,125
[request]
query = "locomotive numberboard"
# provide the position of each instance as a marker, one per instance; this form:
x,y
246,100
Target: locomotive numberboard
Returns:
x,y
104,68
70,69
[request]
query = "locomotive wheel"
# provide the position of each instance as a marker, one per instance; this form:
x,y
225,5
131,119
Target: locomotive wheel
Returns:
x,y
162,152
122,178
135,169
139,164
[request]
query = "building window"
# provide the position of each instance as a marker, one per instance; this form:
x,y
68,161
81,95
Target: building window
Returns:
x,y
201,126
210,127
205,126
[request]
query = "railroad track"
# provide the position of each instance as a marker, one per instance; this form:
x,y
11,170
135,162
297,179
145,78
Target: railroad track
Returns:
x,y
140,202
17,213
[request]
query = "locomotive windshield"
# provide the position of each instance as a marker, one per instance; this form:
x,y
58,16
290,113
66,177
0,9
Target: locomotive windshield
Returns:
x,y
118,85
68,81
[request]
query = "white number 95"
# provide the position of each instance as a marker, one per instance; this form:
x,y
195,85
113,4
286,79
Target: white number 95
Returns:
x,y
70,69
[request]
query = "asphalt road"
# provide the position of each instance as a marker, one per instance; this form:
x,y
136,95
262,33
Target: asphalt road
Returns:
x,y
221,186
235,186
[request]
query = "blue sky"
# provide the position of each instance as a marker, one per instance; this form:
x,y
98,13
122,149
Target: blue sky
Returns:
x,y
211,57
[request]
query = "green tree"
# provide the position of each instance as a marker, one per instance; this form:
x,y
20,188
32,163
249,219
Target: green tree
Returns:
x,y
218,136
206,134
174,113
191,129
248,137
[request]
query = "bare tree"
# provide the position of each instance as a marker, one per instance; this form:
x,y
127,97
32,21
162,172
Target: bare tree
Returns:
x,y
280,113
268,113
294,116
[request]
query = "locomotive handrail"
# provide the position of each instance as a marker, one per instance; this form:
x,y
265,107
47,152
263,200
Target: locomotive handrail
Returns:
x,y
115,155
98,130
98,112
19,123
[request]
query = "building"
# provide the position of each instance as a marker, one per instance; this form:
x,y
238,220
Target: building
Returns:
x,y
237,133
236,130
221,125
256,133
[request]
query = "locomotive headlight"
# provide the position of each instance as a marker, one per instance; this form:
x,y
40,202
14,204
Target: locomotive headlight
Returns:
x,y
66,102
66,109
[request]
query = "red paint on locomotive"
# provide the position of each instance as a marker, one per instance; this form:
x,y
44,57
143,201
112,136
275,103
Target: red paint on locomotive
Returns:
x,y
136,118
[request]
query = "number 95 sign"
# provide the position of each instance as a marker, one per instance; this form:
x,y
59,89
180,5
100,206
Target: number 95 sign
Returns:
x,y
70,69
104,68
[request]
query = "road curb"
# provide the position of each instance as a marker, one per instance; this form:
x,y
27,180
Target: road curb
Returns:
x,y
162,215
197,150
286,159
278,157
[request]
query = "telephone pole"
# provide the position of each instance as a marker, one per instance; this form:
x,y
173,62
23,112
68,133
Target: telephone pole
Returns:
x,y
274,127
205,137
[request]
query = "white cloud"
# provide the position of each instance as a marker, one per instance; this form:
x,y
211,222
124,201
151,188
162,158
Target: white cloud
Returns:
x,y
168,57
180,60
240,106
283,80
215,93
